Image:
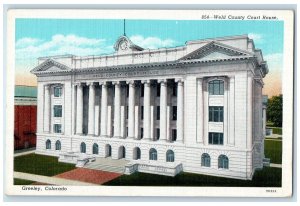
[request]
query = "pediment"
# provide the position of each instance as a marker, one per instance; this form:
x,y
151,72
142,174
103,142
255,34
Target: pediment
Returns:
x,y
215,50
124,44
50,65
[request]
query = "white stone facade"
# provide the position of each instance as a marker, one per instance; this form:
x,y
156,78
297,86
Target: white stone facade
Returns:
x,y
199,106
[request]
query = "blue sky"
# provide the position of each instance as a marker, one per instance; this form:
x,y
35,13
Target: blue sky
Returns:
x,y
44,37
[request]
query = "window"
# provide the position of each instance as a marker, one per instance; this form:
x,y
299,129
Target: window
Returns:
x,y
174,88
152,154
174,135
158,113
57,91
126,112
82,147
48,144
215,138
142,90
57,145
158,90
95,148
57,128
126,131
174,112
142,112
142,132
223,162
57,110
205,160
170,156
216,114
157,134
216,87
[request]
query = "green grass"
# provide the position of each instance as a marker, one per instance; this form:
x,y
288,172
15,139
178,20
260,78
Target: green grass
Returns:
x,y
40,165
268,177
22,182
273,150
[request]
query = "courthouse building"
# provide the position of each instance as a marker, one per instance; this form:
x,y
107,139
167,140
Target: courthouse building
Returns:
x,y
195,108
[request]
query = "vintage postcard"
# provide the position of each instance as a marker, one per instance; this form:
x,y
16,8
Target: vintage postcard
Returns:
x,y
145,102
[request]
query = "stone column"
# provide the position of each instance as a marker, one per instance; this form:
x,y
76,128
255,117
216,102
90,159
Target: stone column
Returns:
x,y
131,104
91,120
231,112
104,109
79,114
117,110
180,111
73,109
163,109
200,111
47,107
147,103
249,112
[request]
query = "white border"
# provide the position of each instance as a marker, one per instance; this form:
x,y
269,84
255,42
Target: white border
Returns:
x,y
287,88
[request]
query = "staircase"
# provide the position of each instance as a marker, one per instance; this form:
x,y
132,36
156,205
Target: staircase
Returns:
x,y
108,165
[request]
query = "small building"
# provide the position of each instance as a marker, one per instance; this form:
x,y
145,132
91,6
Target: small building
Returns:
x,y
194,108
25,117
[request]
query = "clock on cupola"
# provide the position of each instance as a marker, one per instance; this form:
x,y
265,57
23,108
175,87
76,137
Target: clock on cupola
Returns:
x,y
125,45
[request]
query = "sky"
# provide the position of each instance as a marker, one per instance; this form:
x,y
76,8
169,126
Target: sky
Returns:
x,y
46,37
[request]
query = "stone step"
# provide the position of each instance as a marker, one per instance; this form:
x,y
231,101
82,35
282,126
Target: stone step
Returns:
x,y
108,168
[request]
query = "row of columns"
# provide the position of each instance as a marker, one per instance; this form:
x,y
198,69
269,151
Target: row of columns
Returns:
x,y
132,119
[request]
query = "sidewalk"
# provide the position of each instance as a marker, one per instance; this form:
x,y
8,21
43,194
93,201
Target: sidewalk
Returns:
x,y
50,180
24,152
276,165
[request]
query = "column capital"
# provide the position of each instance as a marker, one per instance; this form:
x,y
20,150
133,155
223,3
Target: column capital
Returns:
x,y
103,83
162,81
47,86
78,84
90,83
130,82
179,80
146,81
116,82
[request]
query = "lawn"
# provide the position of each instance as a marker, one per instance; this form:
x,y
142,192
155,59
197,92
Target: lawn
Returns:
x,y
273,150
268,177
22,182
40,165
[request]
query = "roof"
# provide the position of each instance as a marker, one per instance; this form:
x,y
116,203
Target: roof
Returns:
x,y
25,91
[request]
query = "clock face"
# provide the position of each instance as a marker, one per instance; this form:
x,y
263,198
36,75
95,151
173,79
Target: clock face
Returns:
x,y
124,45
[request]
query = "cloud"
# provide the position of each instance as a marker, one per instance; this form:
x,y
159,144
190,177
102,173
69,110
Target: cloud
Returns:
x,y
151,42
60,44
27,41
274,61
257,38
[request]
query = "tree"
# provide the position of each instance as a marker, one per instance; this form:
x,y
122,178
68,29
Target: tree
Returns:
x,y
274,110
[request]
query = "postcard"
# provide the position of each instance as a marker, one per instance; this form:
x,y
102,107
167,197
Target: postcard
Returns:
x,y
149,103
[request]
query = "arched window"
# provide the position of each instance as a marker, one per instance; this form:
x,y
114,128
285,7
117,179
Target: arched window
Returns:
x,y
170,157
216,87
205,160
57,145
48,144
82,147
95,148
153,154
223,162
136,153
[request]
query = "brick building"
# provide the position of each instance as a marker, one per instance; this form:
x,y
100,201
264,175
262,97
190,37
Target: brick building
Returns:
x,y
25,117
